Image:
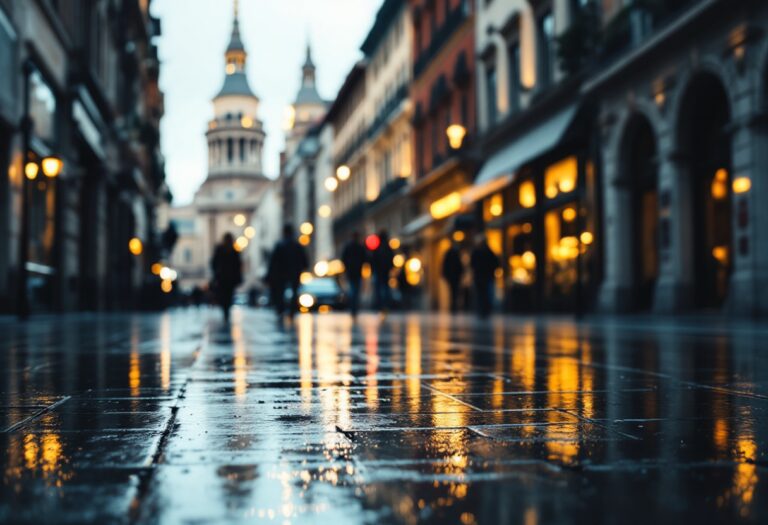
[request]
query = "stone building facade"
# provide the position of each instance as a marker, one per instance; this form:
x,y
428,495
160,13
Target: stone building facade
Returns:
x,y
622,151
90,73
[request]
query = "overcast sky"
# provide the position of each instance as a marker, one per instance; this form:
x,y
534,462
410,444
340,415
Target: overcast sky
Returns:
x,y
275,32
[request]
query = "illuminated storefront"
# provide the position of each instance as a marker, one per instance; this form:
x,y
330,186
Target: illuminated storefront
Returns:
x,y
41,262
544,225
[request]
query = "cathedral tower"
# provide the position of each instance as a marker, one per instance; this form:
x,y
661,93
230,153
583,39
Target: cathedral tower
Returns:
x,y
235,135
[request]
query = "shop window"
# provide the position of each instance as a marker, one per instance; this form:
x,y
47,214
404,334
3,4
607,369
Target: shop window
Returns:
x,y
546,31
561,178
562,252
526,194
514,77
522,256
41,222
42,107
493,207
491,86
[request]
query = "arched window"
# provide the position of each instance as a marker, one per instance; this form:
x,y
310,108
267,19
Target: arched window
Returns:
x,y
230,150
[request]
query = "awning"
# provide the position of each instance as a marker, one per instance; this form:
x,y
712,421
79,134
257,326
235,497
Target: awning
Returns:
x,y
531,145
417,224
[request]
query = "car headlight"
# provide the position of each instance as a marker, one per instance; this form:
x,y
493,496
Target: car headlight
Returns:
x,y
306,300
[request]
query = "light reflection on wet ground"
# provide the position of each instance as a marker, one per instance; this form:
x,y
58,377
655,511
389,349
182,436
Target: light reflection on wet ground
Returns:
x,y
432,419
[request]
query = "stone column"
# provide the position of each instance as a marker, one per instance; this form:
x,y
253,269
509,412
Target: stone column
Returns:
x,y
749,282
674,289
616,291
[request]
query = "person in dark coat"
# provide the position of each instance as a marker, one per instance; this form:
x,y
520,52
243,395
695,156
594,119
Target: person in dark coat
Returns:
x,y
227,273
453,270
382,262
286,265
484,265
354,257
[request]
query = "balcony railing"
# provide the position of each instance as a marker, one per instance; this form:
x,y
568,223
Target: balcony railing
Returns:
x,y
387,111
439,37
589,42
352,216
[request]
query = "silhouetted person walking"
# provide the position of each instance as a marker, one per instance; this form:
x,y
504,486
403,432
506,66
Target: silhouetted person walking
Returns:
x,y
286,265
227,273
484,265
453,270
381,265
354,256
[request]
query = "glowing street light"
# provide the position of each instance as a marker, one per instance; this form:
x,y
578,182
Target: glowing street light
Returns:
x,y
324,211
456,134
306,228
52,166
135,246
31,169
331,184
239,219
343,172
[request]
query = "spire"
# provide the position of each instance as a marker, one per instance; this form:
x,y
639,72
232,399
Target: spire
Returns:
x,y
236,83
308,78
308,93
235,43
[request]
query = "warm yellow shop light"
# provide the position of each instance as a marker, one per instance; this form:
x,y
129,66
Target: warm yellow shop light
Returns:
x,y
445,207
527,194
742,185
135,246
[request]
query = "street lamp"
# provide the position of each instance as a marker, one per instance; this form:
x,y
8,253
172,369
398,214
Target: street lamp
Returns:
x,y
331,184
31,169
343,172
52,166
135,246
456,134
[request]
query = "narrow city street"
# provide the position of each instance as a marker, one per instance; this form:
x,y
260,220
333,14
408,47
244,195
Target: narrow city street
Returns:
x,y
413,418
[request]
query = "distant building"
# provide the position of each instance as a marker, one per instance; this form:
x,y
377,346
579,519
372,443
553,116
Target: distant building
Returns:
x,y
301,172
235,186
371,119
94,102
443,94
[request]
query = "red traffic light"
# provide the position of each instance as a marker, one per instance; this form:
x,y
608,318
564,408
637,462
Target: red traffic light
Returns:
x,y
372,242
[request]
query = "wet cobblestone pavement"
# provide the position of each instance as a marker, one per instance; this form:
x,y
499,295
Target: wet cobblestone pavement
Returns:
x,y
413,419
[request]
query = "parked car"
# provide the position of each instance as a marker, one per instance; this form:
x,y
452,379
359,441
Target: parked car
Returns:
x,y
321,291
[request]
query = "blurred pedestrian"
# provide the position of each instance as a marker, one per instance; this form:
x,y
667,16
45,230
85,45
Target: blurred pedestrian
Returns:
x,y
382,262
354,258
227,273
484,265
453,270
197,296
288,262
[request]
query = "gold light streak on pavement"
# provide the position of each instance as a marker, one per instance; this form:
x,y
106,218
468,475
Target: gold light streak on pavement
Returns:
x,y
165,352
